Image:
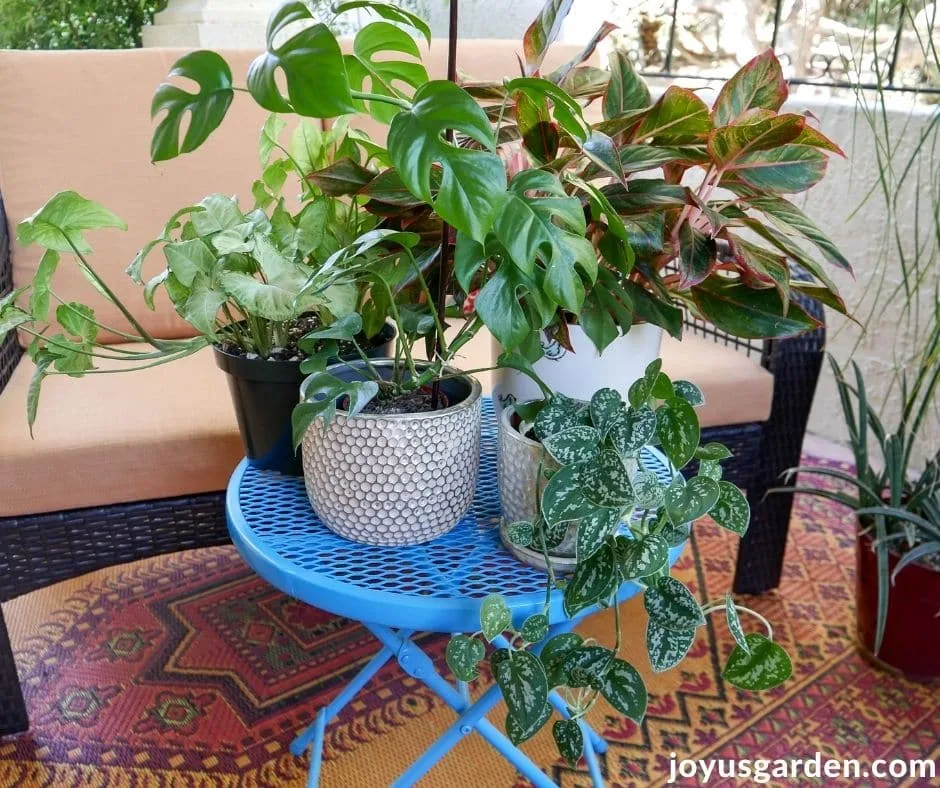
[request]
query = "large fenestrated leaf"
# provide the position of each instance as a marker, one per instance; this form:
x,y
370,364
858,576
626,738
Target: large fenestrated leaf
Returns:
x,y
61,223
549,227
499,305
729,144
312,64
473,182
758,84
205,109
385,76
392,13
542,32
566,109
787,169
626,89
789,217
749,313
679,117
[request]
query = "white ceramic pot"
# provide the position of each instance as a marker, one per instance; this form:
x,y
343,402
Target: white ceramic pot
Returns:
x,y
580,374
395,479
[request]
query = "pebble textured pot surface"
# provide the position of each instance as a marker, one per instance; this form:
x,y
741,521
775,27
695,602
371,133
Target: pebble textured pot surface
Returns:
x,y
395,479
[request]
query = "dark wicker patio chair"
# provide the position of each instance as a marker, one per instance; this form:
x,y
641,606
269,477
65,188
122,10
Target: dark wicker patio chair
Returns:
x,y
39,550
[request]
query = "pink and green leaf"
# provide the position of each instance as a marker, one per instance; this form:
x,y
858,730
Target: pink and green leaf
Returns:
x,y
679,117
788,169
750,313
758,84
542,33
729,144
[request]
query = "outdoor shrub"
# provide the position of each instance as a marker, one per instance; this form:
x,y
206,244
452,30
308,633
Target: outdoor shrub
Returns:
x,y
75,24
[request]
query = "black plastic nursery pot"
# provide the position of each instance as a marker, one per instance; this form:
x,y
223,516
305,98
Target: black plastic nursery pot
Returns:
x,y
264,393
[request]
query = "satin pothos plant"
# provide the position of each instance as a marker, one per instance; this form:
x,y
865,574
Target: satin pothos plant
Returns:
x,y
598,478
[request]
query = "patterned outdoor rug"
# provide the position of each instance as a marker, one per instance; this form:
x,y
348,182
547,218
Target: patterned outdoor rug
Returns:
x,y
188,670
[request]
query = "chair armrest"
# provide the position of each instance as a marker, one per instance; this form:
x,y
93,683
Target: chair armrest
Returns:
x,y
10,350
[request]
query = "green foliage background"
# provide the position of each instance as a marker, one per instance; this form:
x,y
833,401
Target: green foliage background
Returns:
x,y
74,24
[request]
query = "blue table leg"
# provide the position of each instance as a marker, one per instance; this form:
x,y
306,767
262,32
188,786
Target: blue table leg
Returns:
x,y
314,733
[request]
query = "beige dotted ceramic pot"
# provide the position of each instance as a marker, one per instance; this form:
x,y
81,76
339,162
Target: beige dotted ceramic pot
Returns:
x,y
395,479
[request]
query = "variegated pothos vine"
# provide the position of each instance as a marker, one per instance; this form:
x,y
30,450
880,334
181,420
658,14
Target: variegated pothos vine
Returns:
x,y
597,479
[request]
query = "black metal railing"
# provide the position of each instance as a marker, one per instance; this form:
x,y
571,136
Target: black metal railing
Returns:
x,y
867,56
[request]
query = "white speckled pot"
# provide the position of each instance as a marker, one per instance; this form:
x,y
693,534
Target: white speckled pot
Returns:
x,y
518,465
396,479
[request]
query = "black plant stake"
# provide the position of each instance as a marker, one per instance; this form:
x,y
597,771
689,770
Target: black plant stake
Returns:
x,y
444,273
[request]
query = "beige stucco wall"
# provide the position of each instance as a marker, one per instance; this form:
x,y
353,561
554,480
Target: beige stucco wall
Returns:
x,y
866,235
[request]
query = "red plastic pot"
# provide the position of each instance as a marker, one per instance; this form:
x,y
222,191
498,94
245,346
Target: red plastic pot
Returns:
x,y
911,642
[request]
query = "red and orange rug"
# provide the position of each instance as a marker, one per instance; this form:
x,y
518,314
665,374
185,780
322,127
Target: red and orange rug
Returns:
x,y
188,670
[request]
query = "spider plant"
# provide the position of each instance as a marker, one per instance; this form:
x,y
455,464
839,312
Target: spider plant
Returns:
x,y
892,497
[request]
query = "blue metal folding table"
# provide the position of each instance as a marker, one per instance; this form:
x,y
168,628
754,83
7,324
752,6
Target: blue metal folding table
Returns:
x,y
397,591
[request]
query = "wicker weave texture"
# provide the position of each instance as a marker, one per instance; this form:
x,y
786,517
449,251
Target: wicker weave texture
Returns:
x,y
10,350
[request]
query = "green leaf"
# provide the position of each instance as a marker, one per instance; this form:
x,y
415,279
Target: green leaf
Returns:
x,y
766,666
734,624
534,628
602,151
558,647
393,13
219,212
594,529
341,178
689,392
34,390
675,535
270,133
463,656
662,387
359,393
384,74
697,255
606,481
188,259
520,533
647,489
346,328
732,510
42,285
498,305
711,469
626,89
713,451
679,117
561,413
549,227
642,389
788,169
473,182
678,431
12,317
524,685
312,65
788,218
518,734
748,313
653,309
563,498
641,557
671,605
687,501
205,109
586,666
202,306
258,298
758,84
61,222
665,647
594,580
728,145
495,616
567,111
78,320
623,688
606,406
569,740
542,32
577,444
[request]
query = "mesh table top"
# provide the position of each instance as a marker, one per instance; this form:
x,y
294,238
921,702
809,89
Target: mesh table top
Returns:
x,y
437,586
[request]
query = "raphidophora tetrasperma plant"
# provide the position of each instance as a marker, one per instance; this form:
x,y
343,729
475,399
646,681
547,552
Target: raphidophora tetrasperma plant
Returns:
x,y
597,477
